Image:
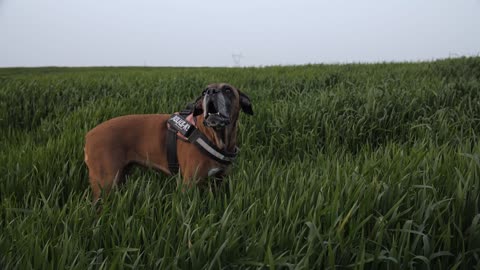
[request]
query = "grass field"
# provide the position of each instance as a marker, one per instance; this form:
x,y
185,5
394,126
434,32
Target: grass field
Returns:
x,y
342,166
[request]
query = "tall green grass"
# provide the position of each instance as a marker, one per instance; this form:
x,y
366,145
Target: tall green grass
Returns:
x,y
342,166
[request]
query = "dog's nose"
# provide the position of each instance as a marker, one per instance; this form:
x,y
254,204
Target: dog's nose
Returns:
x,y
211,91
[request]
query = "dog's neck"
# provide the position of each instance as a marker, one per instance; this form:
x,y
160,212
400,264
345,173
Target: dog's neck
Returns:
x,y
226,139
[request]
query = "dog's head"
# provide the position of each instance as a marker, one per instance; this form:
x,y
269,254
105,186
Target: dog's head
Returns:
x,y
220,105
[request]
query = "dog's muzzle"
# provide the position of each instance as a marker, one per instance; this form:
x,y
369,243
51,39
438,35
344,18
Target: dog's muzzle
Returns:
x,y
216,109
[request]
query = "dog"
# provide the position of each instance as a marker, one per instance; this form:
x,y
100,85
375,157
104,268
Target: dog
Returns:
x,y
159,140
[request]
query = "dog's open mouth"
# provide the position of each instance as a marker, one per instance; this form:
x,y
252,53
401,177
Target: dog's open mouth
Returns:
x,y
215,119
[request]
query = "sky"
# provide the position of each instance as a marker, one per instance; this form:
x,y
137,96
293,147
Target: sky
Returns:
x,y
208,32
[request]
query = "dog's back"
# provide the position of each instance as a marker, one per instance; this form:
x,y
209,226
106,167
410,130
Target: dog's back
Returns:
x,y
112,145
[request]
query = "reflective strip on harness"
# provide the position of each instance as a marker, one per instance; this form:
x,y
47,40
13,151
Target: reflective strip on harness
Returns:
x,y
212,151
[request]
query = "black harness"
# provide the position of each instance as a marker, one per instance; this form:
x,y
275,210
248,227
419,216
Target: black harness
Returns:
x,y
178,123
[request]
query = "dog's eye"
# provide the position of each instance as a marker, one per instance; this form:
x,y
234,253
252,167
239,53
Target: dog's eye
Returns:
x,y
228,90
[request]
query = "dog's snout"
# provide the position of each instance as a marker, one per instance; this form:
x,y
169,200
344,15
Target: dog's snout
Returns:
x,y
211,91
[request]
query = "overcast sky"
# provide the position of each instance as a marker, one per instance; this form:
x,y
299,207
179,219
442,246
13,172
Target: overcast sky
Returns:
x,y
208,32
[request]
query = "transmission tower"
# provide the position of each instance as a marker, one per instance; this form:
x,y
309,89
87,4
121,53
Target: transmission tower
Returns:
x,y
237,57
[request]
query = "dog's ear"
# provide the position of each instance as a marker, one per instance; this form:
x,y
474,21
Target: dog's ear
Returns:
x,y
198,106
245,103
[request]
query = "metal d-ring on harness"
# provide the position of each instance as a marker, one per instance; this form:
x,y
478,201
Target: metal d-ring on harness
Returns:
x,y
178,123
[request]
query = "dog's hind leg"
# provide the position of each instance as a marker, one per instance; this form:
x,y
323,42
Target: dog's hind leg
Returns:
x,y
104,175
103,183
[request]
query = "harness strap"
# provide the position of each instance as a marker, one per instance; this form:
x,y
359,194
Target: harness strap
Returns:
x,y
210,149
172,157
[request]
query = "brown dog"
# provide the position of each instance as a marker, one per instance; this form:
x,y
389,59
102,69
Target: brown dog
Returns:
x,y
116,144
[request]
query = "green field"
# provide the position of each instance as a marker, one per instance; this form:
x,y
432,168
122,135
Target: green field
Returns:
x,y
342,166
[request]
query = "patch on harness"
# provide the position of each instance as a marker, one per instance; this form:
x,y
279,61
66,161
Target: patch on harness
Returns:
x,y
181,125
